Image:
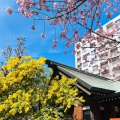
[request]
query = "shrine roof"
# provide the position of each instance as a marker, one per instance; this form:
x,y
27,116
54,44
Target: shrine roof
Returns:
x,y
89,81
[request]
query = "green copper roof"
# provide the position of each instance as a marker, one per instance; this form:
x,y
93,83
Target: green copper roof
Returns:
x,y
88,80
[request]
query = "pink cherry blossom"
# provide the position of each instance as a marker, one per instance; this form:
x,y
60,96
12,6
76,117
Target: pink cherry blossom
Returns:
x,y
106,1
109,14
26,14
115,25
69,39
85,58
43,35
81,12
110,5
116,9
74,52
21,10
106,53
33,27
89,15
62,21
63,34
97,13
55,41
27,7
67,44
72,15
43,1
84,23
71,8
9,10
75,31
98,23
73,42
55,4
54,46
31,13
39,7
89,0
118,65
18,2
77,36
65,52
54,22
47,8
41,4
78,46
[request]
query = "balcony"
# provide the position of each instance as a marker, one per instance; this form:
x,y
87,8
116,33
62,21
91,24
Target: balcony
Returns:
x,y
78,54
79,67
118,21
85,50
104,55
95,69
79,60
77,45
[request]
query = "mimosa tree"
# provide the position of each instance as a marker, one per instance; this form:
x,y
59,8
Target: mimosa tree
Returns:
x,y
27,91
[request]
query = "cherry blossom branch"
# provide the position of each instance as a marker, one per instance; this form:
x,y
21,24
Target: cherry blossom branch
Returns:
x,y
97,33
94,15
66,10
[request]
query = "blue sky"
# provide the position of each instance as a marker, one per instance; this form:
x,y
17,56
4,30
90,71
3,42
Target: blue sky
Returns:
x,y
15,25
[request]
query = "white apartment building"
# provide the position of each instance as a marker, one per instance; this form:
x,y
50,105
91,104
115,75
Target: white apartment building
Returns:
x,y
105,60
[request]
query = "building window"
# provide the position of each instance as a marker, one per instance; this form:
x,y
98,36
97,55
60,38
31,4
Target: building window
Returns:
x,y
92,44
95,68
94,60
118,39
78,66
86,55
118,30
78,46
118,21
83,44
78,53
84,50
78,60
85,64
93,52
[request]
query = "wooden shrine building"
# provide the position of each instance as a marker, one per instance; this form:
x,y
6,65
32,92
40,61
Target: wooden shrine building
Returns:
x,y
102,95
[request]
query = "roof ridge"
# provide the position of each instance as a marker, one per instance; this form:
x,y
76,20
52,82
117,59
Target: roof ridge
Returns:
x,y
81,71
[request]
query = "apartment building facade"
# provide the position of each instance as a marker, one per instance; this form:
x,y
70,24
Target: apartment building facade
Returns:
x,y
100,55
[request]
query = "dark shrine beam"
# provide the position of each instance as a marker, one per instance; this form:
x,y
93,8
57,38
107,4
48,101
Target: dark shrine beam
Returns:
x,y
83,89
